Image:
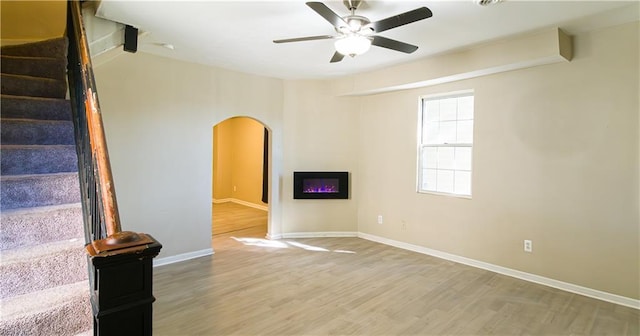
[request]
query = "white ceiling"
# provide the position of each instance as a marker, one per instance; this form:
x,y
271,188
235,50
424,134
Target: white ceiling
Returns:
x,y
238,35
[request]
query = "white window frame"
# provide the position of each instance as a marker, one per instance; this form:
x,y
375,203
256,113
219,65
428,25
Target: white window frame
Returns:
x,y
421,145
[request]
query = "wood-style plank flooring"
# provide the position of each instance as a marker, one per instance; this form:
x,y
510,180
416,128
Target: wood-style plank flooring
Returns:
x,y
351,286
229,217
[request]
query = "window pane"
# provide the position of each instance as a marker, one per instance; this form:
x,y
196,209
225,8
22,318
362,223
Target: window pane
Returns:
x,y
463,183
445,181
432,110
465,108
465,131
448,109
445,157
431,133
429,179
447,132
463,158
430,157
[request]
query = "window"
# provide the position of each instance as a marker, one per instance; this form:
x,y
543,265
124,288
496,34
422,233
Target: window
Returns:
x,y
446,144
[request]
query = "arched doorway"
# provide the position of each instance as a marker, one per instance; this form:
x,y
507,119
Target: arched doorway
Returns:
x,y
240,180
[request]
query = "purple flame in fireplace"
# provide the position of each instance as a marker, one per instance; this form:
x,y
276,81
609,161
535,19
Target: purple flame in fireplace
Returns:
x,y
321,185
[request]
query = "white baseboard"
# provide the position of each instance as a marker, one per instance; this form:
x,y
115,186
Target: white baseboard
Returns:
x,y
241,202
182,257
274,237
565,286
330,234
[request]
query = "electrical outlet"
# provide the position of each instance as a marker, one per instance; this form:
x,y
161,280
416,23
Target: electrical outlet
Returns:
x,y
379,219
528,245
234,188
404,225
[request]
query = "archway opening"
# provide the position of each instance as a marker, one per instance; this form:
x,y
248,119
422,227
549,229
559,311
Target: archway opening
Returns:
x,y
240,180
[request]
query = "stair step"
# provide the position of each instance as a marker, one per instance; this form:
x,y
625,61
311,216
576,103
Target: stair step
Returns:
x,y
64,310
37,159
25,107
33,226
47,67
47,48
33,268
36,132
25,191
33,86
43,264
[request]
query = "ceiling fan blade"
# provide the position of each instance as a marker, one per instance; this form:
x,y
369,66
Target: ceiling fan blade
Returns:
x,y
401,19
327,14
307,38
393,44
337,57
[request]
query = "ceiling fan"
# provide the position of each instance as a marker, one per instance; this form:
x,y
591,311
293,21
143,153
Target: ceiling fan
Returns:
x,y
356,34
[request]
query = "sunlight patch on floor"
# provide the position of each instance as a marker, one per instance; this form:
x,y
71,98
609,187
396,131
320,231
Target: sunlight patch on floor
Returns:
x,y
308,247
260,242
284,244
344,251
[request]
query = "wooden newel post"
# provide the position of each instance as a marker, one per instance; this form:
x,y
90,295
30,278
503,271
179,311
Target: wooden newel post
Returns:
x,y
121,278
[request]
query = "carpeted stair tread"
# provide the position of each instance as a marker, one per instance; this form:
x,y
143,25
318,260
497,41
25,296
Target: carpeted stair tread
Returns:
x,y
37,159
47,48
46,67
43,264
23,191
33,268
38,267
36,132
21,85
25,107
33,226
64,310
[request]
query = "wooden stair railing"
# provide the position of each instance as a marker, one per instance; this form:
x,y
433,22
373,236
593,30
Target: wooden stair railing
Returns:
x,y
120,262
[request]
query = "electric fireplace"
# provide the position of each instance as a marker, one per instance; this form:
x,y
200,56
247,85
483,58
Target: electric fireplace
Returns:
x,y
320,185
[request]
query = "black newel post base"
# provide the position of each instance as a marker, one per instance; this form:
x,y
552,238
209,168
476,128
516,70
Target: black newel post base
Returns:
x,y
121,277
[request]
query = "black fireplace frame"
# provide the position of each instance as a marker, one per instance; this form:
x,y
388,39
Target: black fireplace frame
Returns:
x,y
300,176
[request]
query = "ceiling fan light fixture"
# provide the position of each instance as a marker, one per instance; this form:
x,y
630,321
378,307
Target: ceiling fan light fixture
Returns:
x,y
353,45
354,25
356,34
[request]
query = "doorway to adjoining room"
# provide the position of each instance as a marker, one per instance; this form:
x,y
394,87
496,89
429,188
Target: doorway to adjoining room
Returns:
x,y
240,180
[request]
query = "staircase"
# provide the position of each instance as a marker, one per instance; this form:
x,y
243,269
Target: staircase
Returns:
x,y
43,265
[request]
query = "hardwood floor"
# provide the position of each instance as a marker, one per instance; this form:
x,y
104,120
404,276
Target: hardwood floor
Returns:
x,y
229,217
351,286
